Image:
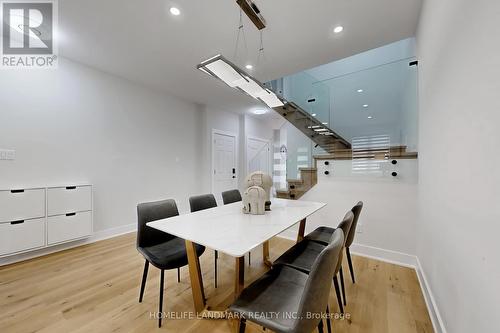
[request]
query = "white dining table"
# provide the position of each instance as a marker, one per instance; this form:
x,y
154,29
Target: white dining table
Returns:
x,y
227,230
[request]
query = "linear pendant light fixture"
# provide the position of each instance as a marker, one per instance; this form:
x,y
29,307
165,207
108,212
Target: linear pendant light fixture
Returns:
x,y
224,70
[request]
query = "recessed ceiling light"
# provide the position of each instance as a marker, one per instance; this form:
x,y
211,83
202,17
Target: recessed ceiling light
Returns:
x,y
175,11
365,105
338,29
370,117
248,66
259,111
314,115
360,90
325,123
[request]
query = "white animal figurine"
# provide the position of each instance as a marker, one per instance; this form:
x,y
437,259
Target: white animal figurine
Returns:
x,y
254,199
259,178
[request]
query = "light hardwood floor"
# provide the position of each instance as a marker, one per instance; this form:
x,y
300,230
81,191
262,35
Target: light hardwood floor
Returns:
x,y
95,288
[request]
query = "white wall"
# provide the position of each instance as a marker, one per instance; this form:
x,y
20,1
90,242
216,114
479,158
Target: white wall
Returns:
x,y
76,124
459,192
257,128
387,222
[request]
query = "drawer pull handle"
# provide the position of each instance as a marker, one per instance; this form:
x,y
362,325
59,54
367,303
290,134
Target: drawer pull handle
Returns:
x,y
16,191
17,222
71,214
71,187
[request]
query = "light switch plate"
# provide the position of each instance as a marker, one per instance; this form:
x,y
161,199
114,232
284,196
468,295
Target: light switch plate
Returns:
x,y
7,154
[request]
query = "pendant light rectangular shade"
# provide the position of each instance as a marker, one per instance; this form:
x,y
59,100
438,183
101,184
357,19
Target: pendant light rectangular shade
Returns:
x,y
224,70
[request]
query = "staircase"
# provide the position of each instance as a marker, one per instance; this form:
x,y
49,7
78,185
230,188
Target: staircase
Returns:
x,y
321,134
297,187
335,146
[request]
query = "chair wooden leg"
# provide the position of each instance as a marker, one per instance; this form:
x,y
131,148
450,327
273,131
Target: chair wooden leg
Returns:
x,y
349,261
215,268
144,278
162,283
320,326
178,275
342,285
337,291
328,319
242,326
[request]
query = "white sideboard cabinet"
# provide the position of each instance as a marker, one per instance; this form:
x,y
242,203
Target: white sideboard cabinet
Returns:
x,y
36,218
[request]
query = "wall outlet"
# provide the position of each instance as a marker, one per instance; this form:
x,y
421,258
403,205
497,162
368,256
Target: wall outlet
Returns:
x,y
359,228
7,154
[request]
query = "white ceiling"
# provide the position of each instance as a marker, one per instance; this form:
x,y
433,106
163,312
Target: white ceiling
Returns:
x,y
141,41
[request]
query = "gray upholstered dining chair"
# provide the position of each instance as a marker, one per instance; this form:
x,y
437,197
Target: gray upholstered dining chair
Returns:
x,y
202,202
302,255
232,196
323,234
297,300
162,250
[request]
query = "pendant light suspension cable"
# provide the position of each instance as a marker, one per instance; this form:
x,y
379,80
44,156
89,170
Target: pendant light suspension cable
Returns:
x,y
241,32
261,59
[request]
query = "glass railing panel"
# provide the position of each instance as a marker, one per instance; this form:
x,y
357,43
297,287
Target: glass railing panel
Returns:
x,y
311,95
377,101
318,150
299,152
374,109
292,151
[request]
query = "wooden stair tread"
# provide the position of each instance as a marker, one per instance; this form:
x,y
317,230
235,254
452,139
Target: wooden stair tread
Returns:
x,y
308,169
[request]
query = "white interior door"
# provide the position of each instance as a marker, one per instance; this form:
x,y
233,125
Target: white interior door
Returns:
x,y
258,155
224,163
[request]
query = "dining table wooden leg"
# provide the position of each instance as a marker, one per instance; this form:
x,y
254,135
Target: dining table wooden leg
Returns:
x,y
265,254
196,278
239,274
302,229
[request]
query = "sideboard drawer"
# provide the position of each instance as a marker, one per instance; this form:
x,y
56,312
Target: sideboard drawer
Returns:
x,y
63,228
22,235
63,200
21,204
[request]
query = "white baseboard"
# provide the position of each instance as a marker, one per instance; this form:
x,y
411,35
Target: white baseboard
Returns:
x,y
392,257
97,236
407,260
401,259
437,320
